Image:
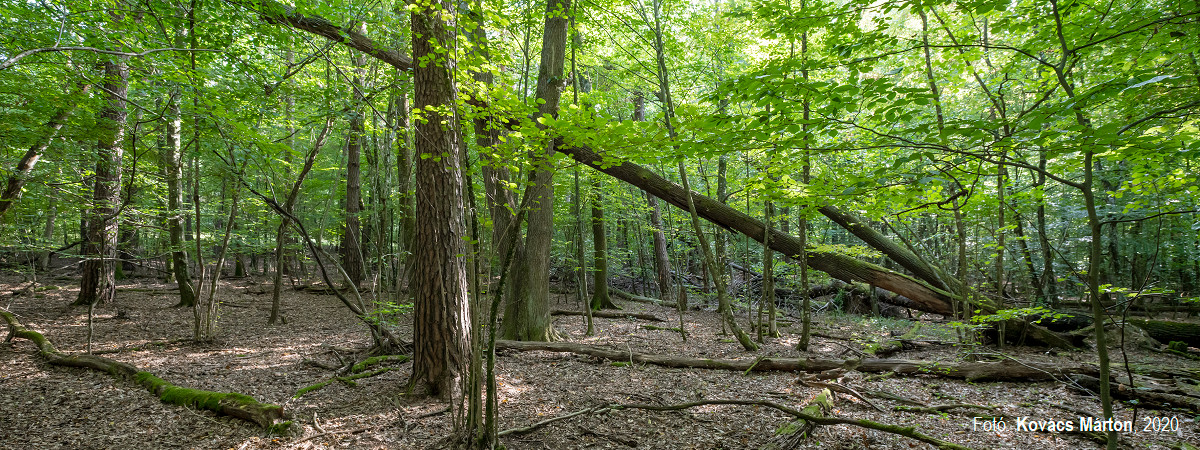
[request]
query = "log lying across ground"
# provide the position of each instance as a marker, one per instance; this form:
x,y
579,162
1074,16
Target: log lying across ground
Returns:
x,y
640,299
971,371
270,417
610,314
1166,331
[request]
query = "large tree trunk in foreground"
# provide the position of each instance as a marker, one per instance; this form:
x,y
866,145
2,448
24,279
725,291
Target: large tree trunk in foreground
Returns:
x,y
441,329
231,404
972,371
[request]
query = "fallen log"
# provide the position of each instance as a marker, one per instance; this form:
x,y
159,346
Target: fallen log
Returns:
x,y
910,432
1144,396
270,417
1166,332
609,314
640,299
971,371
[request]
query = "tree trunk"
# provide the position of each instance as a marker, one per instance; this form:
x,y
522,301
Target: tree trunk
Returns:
x,y
16,181
351,246
98,283
172,162
527,317
441,329
600,298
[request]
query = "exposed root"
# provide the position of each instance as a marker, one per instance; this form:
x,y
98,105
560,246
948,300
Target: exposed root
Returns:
x,y
270,417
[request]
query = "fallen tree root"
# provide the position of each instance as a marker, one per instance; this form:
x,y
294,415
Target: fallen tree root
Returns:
x,y
972,371
910,432
270,417
610,314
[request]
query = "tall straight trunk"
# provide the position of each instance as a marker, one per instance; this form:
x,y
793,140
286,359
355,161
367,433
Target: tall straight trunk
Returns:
x,y
441,328
802,224
768,286
404,170
16,181
351,246
1048,277
527,317
600,298
98,283
172,163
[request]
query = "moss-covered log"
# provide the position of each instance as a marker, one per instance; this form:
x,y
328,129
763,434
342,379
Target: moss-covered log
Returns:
x,y
971,371
790,434
1166,332
232,404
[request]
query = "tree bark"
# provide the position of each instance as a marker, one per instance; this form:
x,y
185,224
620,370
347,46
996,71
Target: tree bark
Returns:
x,y
527,317
98,282
600,298
172,163
351,247
441,330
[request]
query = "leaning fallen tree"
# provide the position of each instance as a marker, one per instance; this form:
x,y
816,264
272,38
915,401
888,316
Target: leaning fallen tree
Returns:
x,y
921,295
270,417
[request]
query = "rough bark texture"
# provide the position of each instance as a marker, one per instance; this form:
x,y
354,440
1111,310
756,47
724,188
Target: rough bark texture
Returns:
x,y
236,405
971,371
351,248
97,283
441,330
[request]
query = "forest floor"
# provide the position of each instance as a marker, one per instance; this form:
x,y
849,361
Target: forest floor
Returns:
x,y
51,407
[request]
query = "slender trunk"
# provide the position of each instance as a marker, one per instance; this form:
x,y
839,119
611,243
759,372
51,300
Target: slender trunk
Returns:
x,y
172,162
600,298
710,261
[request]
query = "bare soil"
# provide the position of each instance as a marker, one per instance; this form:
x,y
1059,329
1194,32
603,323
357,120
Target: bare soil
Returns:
x,y
50,407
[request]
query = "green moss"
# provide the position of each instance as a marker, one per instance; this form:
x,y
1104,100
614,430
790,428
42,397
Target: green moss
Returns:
x,y
364,364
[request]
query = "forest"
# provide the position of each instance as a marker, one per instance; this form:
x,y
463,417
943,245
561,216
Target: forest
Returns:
x,y
533,224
